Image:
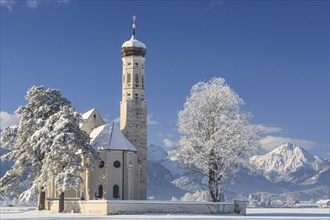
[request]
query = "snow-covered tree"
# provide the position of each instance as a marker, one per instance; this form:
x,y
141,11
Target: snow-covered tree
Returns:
x,y
69,145
199,196
264,200
269,202
6,201
36,143
277,203
28,157
15,201
251,202
174,199
216,136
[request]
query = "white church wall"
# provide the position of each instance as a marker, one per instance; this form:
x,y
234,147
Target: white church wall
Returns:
x,y
106,207
116,174
130,167
98,178
93,120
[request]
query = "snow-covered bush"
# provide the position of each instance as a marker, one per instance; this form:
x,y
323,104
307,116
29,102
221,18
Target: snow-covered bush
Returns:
x,y
174,199
199,196
277,203
6,201
188,197
15,201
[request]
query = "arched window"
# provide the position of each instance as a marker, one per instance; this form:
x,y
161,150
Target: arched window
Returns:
x,y
100,191
115,191
136,78
142,82
101,165
128,78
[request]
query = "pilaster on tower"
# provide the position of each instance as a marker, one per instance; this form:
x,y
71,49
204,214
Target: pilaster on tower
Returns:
x,y
133,107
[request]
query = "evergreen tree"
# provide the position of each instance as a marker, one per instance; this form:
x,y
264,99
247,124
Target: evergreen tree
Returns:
x,y
33,145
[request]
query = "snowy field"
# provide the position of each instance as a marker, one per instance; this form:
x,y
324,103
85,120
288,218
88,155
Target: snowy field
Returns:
x,y
258,213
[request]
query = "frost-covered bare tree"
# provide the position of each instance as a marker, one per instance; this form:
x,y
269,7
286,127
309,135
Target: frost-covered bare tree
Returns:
x,y
216,137
47,131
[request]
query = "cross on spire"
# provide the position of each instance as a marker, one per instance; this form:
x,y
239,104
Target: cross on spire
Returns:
x,y
134,26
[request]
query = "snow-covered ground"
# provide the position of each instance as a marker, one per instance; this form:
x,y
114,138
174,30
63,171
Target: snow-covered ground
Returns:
x,y
253,213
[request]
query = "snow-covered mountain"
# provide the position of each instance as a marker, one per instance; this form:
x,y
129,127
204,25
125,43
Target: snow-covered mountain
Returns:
x,y
289,162
160,178
321,177
156,153
287,171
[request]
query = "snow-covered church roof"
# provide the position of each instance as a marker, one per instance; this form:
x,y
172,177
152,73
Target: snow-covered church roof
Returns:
x,y
86,115
110,137
133,43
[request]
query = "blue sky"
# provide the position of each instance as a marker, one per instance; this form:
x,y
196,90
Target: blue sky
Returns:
x,y
274,54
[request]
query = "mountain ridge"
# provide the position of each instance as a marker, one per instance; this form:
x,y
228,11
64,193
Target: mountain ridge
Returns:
x,y
287,171
288,162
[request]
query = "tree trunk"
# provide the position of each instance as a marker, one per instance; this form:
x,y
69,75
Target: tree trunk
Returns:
x,y
42,199
213,180
61,203
221,195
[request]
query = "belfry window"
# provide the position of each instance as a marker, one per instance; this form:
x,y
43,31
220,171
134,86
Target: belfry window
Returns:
x,y
142,79
115,191
136,78
128,78
100,191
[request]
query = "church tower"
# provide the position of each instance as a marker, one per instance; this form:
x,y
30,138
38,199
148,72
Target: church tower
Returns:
x,y
133,107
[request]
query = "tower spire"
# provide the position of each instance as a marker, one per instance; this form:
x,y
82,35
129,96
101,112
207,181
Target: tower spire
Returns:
x,y
133,106
134,26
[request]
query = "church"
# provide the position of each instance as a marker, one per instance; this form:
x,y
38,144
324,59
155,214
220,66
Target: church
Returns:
x,y
122,171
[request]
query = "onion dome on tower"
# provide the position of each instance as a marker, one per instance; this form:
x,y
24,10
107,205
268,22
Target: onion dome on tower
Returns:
x,y
133,47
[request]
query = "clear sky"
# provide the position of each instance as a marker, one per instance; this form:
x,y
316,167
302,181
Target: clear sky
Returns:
x,y
274,54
